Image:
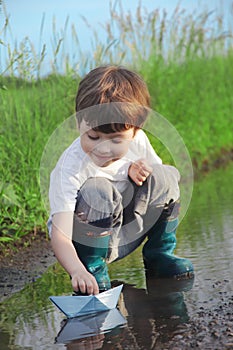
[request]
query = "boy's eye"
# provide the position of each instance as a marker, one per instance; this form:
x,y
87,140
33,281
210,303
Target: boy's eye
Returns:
x,y
94,138
116,140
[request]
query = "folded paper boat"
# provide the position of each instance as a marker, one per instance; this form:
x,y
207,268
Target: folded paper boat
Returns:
x,y
73,306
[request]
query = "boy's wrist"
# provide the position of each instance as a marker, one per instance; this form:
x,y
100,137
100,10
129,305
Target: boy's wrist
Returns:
x,y
77,270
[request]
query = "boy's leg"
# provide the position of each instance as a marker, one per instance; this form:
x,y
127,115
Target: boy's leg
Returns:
x,y
98,213
158,251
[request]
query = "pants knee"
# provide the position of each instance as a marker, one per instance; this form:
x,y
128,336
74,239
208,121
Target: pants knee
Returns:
x,y
97,200
98,189
165,184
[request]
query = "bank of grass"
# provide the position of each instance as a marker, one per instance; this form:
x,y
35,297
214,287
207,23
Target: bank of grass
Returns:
x,y
196,98
191,84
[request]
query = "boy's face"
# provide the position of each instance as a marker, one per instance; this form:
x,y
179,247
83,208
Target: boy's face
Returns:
x,y
104,149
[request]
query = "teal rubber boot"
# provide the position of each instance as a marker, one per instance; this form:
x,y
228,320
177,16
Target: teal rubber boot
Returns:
x,y
93,257
158,256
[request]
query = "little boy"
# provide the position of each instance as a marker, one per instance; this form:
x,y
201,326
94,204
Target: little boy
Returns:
x,y
109,190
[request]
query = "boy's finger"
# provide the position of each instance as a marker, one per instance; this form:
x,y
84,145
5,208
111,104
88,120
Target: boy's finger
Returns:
x,y
144,174
140,179
95,287
82,286
89,288
147,168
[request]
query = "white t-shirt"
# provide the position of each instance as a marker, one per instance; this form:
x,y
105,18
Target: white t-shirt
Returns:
x,y
75,167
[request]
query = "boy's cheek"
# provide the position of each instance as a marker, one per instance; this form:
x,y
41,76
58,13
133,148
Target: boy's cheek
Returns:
x,y
122,150
84,144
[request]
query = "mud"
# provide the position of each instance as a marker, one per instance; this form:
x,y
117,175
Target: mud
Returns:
x,y
23,262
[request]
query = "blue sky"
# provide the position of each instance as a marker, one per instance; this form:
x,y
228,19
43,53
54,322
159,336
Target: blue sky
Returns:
x,y
26,16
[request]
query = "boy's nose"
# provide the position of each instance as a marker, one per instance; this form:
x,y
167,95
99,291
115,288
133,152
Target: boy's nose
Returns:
x,y
103,147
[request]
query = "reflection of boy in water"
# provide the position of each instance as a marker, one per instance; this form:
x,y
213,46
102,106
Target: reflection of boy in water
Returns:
x,y
160,316
109,190
89,343
153,315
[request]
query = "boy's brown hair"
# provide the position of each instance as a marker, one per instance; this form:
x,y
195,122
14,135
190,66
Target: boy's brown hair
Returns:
x,y
120,96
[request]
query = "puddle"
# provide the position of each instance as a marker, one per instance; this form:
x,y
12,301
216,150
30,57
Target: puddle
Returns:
x,y
148,311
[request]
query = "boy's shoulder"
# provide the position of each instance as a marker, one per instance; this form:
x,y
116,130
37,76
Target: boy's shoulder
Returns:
x,y
140,137
140,142
73,155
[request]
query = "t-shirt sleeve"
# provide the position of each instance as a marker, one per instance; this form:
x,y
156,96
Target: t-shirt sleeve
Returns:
x,y
63,186
62,192
145,150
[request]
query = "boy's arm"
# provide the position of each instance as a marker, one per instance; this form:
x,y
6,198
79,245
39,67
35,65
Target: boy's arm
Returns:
x,y
66,254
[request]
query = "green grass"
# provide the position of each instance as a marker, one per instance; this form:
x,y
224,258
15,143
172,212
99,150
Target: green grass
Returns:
x,y
30,113
189,72
196,97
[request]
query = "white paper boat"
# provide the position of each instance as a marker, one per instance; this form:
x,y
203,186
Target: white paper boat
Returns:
x,y
89,325
73,306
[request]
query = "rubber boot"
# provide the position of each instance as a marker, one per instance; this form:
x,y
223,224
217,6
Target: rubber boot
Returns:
x,y
93,257
167,300
158,256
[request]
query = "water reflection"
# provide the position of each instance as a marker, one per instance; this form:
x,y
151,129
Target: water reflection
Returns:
x,y
154,311
92,327
157,311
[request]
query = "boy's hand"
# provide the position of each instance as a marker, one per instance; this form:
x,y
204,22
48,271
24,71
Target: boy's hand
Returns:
x,y
84,282
139,171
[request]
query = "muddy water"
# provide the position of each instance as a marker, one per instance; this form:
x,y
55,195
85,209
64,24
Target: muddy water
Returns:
x,y
150,312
